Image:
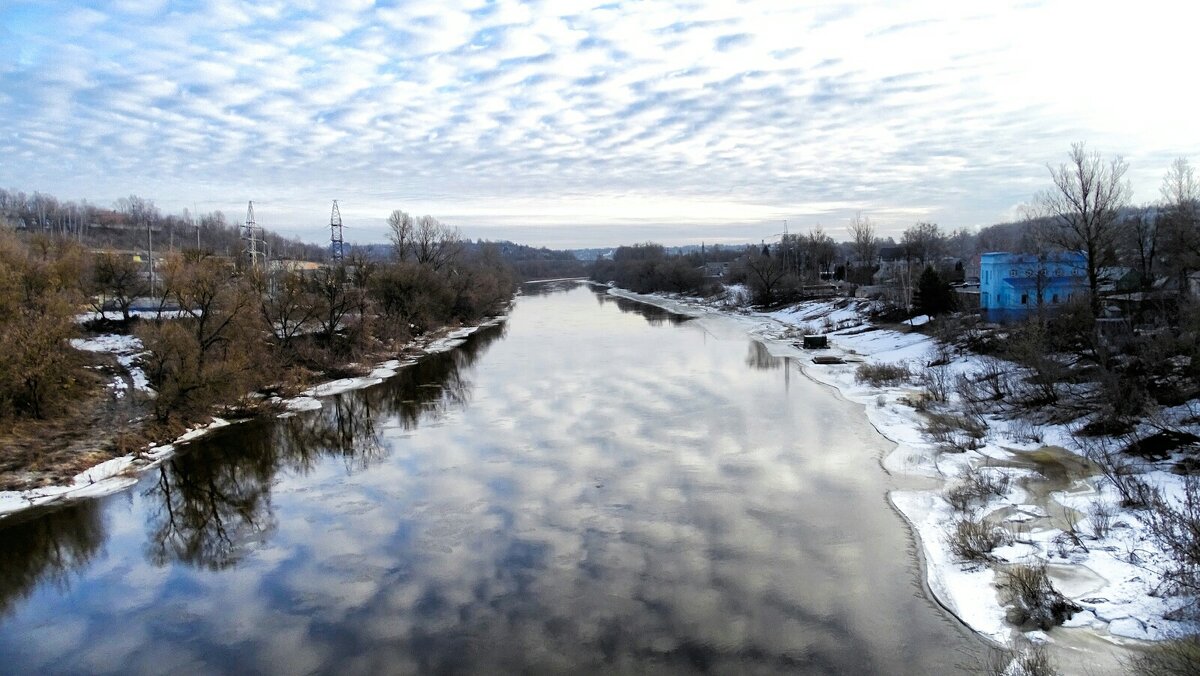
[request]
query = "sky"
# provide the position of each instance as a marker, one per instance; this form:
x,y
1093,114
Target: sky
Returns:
x,y
569,123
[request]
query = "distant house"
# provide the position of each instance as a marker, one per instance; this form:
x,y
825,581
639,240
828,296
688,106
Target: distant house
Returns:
x,y
715,270
1194,283
1012,285
890,260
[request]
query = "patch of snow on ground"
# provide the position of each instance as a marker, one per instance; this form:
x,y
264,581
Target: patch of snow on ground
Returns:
x,y
127,349
111,342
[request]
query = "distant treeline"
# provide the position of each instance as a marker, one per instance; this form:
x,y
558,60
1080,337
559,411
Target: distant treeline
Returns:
x,y
645,268
133,220
530,263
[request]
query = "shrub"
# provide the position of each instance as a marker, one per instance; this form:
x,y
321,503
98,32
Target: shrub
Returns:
x,y
972,540
954,432
38,300
1176,530
1177,657
1100,516
936,381
1022,429
1120,472
1030,661
1034,602
882,374
975,486
1034,661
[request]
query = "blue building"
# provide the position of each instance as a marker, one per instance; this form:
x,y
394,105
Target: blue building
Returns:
x,y
1013,285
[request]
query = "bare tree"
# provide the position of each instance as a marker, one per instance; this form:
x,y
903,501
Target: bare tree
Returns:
x,y
118,279
335,298
139,210
1181,220
1139,243
822,251
1082,210
400,232
765,275
287,305
925,242
434,244
866,245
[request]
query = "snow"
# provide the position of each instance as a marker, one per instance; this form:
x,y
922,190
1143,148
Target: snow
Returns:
x,y
1114,580
114,343
117,474
128,351
105,478
341,385
967,591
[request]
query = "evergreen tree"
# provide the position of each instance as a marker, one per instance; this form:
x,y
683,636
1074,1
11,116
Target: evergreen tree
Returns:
x,y
933,295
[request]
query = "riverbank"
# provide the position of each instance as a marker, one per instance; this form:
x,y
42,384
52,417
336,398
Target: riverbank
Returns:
x,y
1054,505
117,473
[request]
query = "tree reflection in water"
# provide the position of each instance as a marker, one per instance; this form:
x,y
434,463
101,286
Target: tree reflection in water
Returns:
x,y
214,500
46,548
208,503
759,357
548,288
433,386
654,315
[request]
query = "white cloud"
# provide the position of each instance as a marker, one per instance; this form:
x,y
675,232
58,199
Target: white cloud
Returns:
x,y
508,114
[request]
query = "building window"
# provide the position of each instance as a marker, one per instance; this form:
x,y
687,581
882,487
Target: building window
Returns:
x,y
1012,272
1024,299
1054,298
983,299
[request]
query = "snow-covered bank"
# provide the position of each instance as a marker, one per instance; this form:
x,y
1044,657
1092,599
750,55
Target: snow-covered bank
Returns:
x,y
119,473
105,478
1051,502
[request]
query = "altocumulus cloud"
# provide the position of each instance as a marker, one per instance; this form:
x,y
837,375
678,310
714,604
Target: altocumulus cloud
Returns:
x,y
572,122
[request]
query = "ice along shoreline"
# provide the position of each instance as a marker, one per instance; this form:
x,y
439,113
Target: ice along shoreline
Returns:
x,y
1113,579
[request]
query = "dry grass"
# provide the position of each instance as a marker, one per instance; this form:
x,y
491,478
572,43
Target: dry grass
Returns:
x,y
1177,657
83,434
975,486
973,540
1033,601
883,375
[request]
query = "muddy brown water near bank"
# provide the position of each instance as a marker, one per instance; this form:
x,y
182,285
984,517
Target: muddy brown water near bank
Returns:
x,y
597,486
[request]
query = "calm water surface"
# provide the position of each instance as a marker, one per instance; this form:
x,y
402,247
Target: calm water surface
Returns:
x,y
597,486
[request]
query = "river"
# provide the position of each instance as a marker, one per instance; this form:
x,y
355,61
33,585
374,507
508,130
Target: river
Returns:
x,y
594,486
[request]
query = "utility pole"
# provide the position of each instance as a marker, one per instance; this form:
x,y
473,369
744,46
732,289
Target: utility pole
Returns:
x,y
150,254
787,248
